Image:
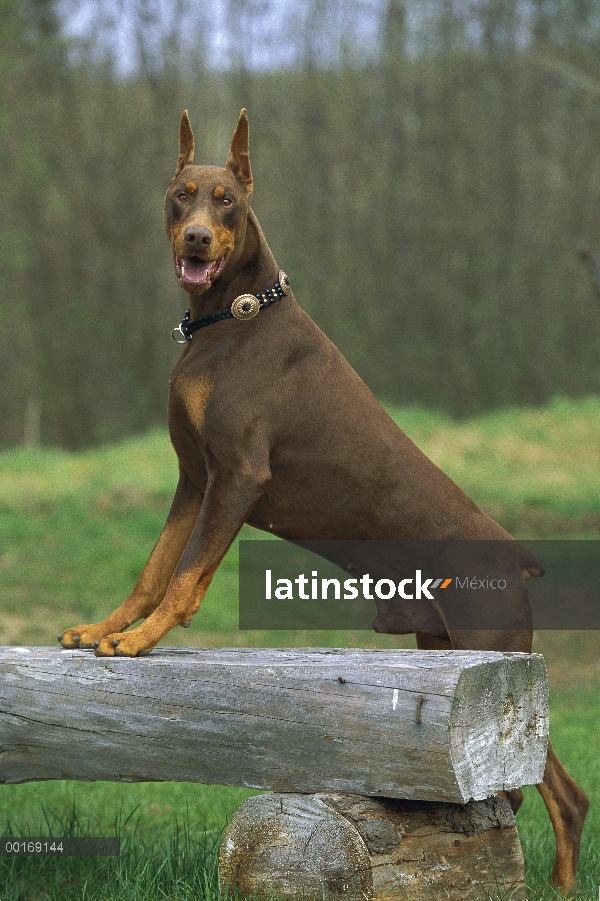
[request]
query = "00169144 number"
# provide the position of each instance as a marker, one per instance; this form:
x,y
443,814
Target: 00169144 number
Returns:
x,y
67,846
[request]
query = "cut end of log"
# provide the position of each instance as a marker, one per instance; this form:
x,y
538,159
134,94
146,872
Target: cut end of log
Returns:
x,y
351,847
499,714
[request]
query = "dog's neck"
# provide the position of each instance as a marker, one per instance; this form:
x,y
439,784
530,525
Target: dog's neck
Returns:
x,y
250,269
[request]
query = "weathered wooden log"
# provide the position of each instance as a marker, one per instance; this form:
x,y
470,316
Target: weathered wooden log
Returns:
x,y
436,725
331,846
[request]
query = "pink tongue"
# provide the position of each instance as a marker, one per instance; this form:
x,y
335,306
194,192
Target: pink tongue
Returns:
x,y
196,269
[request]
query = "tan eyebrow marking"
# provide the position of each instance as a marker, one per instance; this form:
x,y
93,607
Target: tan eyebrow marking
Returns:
x,y
191,187
218,192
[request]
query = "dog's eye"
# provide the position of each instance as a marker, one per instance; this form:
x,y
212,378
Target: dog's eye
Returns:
x,y
182,197
227,201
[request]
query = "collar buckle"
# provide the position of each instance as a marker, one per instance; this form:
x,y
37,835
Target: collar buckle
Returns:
x,y
182,330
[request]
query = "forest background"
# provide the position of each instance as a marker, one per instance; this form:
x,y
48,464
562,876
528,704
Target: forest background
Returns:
x,y
424,171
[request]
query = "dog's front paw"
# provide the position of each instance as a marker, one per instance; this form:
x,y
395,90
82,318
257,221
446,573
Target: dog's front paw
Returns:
x,y
81,636
123,644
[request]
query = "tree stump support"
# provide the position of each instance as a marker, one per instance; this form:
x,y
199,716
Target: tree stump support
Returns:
x,y
355,848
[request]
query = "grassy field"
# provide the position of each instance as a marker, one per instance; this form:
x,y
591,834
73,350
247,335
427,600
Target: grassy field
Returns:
x,y
75,530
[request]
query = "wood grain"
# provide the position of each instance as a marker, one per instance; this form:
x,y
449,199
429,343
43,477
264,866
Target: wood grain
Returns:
x,y
336,846
437,725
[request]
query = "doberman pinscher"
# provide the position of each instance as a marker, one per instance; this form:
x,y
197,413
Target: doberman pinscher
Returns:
x,y
273,427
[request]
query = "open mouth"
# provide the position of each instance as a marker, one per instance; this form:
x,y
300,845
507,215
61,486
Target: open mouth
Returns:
x,y
193,271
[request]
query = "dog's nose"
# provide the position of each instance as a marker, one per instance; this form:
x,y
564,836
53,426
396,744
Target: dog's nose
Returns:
x,y
197,236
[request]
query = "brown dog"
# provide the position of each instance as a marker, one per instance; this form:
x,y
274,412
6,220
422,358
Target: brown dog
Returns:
x,y
273,427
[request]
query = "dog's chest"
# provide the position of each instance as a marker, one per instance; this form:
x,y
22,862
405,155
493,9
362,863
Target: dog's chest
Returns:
x,y
188,398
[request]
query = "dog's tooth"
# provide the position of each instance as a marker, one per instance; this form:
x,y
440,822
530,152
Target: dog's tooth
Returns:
x,y
182,268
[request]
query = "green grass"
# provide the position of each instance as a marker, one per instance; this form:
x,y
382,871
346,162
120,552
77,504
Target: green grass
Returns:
x,y
75,530
179,868
536,471
575,731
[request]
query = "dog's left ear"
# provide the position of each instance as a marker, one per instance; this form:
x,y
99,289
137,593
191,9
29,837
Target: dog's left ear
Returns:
x,y
186,143
238,158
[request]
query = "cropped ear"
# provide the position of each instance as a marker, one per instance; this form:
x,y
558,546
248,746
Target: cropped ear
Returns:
x,y
186,143
238,158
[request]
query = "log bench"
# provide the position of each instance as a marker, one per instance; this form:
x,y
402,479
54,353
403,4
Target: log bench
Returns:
x,y
385,764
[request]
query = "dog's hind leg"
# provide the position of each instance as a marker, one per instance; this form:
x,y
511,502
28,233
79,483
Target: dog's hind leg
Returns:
x,y
514,798
429,642
154,579
567,805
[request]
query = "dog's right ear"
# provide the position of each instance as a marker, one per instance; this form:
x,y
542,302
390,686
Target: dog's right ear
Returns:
x,y
186,143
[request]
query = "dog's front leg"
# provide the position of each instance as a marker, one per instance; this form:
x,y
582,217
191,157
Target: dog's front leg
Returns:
x,y
152,584
228,501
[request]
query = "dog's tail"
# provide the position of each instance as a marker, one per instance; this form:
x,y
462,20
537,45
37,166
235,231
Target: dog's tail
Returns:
x,y
532,566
